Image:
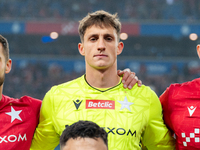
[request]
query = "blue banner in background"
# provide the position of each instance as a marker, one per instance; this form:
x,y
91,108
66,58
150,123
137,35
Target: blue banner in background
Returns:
x,y
140,29
12,28
160,30
175,30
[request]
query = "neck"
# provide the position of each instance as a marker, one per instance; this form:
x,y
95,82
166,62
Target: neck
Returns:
x,y
102,78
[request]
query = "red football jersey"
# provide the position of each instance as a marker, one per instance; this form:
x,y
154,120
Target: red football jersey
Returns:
x,y
181,111
18,120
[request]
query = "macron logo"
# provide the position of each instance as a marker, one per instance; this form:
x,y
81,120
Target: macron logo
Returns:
x,y
191,110
100,104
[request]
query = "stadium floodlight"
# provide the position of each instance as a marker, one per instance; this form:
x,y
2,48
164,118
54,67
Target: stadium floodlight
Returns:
x,y
193,36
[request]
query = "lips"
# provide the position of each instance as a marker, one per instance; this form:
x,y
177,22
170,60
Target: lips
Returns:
x,y
100,55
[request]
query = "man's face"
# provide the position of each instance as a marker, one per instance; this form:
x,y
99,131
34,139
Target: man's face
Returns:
x,y
2,65
100,47
85,144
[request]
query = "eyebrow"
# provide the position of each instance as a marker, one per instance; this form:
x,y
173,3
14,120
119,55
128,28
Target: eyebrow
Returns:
x,y
90,35
109,35
105,35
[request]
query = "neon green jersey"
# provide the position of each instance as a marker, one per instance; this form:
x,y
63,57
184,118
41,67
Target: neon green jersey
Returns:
x,y
127,115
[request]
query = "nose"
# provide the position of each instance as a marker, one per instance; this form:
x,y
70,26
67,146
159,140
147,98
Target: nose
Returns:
x,y
101,44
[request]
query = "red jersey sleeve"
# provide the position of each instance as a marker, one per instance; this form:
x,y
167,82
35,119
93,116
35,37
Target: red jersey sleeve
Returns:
x,y
164,99
35,103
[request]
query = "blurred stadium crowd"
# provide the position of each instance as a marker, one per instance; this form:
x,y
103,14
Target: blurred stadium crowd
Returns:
x,y
35,79
187,10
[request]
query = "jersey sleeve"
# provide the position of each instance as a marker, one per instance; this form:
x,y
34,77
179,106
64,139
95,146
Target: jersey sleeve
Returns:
x,y
45,136
35,105
164,99
156,135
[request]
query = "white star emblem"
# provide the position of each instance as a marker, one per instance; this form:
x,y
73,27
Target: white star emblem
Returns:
x,y
125,104
14,114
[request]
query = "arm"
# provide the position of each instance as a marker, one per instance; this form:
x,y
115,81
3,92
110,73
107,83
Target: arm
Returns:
x,y
164,101
156,135
129,78
45,137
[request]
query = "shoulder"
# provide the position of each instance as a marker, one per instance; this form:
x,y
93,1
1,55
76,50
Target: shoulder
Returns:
x,y
145,93
24,102
186,89
145,90
28,98
23,99
148,97
34,102
7,98
189,85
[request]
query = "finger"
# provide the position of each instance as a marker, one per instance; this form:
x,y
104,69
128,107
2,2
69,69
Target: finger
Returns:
x,y
127,69
133,82
120,73
127,74
139,83
130,81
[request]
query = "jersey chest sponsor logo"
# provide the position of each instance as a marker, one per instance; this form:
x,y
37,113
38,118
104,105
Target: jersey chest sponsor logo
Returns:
x,y
120,131
13,138
100,104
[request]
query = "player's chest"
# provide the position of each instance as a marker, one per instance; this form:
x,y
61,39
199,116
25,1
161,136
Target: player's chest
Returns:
x,y
185,117
109,103
17,125
122,115
15,113
185,110
14,120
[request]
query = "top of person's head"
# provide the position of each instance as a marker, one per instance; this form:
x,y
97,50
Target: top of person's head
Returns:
x,y
83,129
101,19
5,45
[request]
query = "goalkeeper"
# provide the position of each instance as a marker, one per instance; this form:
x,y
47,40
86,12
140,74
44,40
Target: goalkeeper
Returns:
x,y
128,116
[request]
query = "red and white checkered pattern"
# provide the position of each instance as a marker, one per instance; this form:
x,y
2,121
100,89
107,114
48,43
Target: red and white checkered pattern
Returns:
x,y
192,136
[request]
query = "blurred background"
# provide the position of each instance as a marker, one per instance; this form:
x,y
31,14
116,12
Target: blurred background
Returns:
x,y
160,38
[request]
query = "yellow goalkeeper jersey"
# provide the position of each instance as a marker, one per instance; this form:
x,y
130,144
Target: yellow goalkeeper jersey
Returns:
x,y
128,116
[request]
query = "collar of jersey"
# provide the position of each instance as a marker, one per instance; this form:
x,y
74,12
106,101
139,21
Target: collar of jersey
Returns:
x,y
102,89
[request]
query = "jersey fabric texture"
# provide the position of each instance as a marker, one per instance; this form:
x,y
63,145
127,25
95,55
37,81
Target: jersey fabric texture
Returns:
x,y
18,120
181,110
126,115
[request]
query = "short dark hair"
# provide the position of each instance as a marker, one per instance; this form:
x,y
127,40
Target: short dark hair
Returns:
x,y
83,129
99,18
5,45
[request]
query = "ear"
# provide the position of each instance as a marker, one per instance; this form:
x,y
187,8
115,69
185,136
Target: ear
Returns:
x,y
198,50
120,48
81,49
8,66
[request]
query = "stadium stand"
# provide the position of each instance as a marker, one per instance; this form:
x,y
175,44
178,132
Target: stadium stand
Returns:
x,y
186,10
